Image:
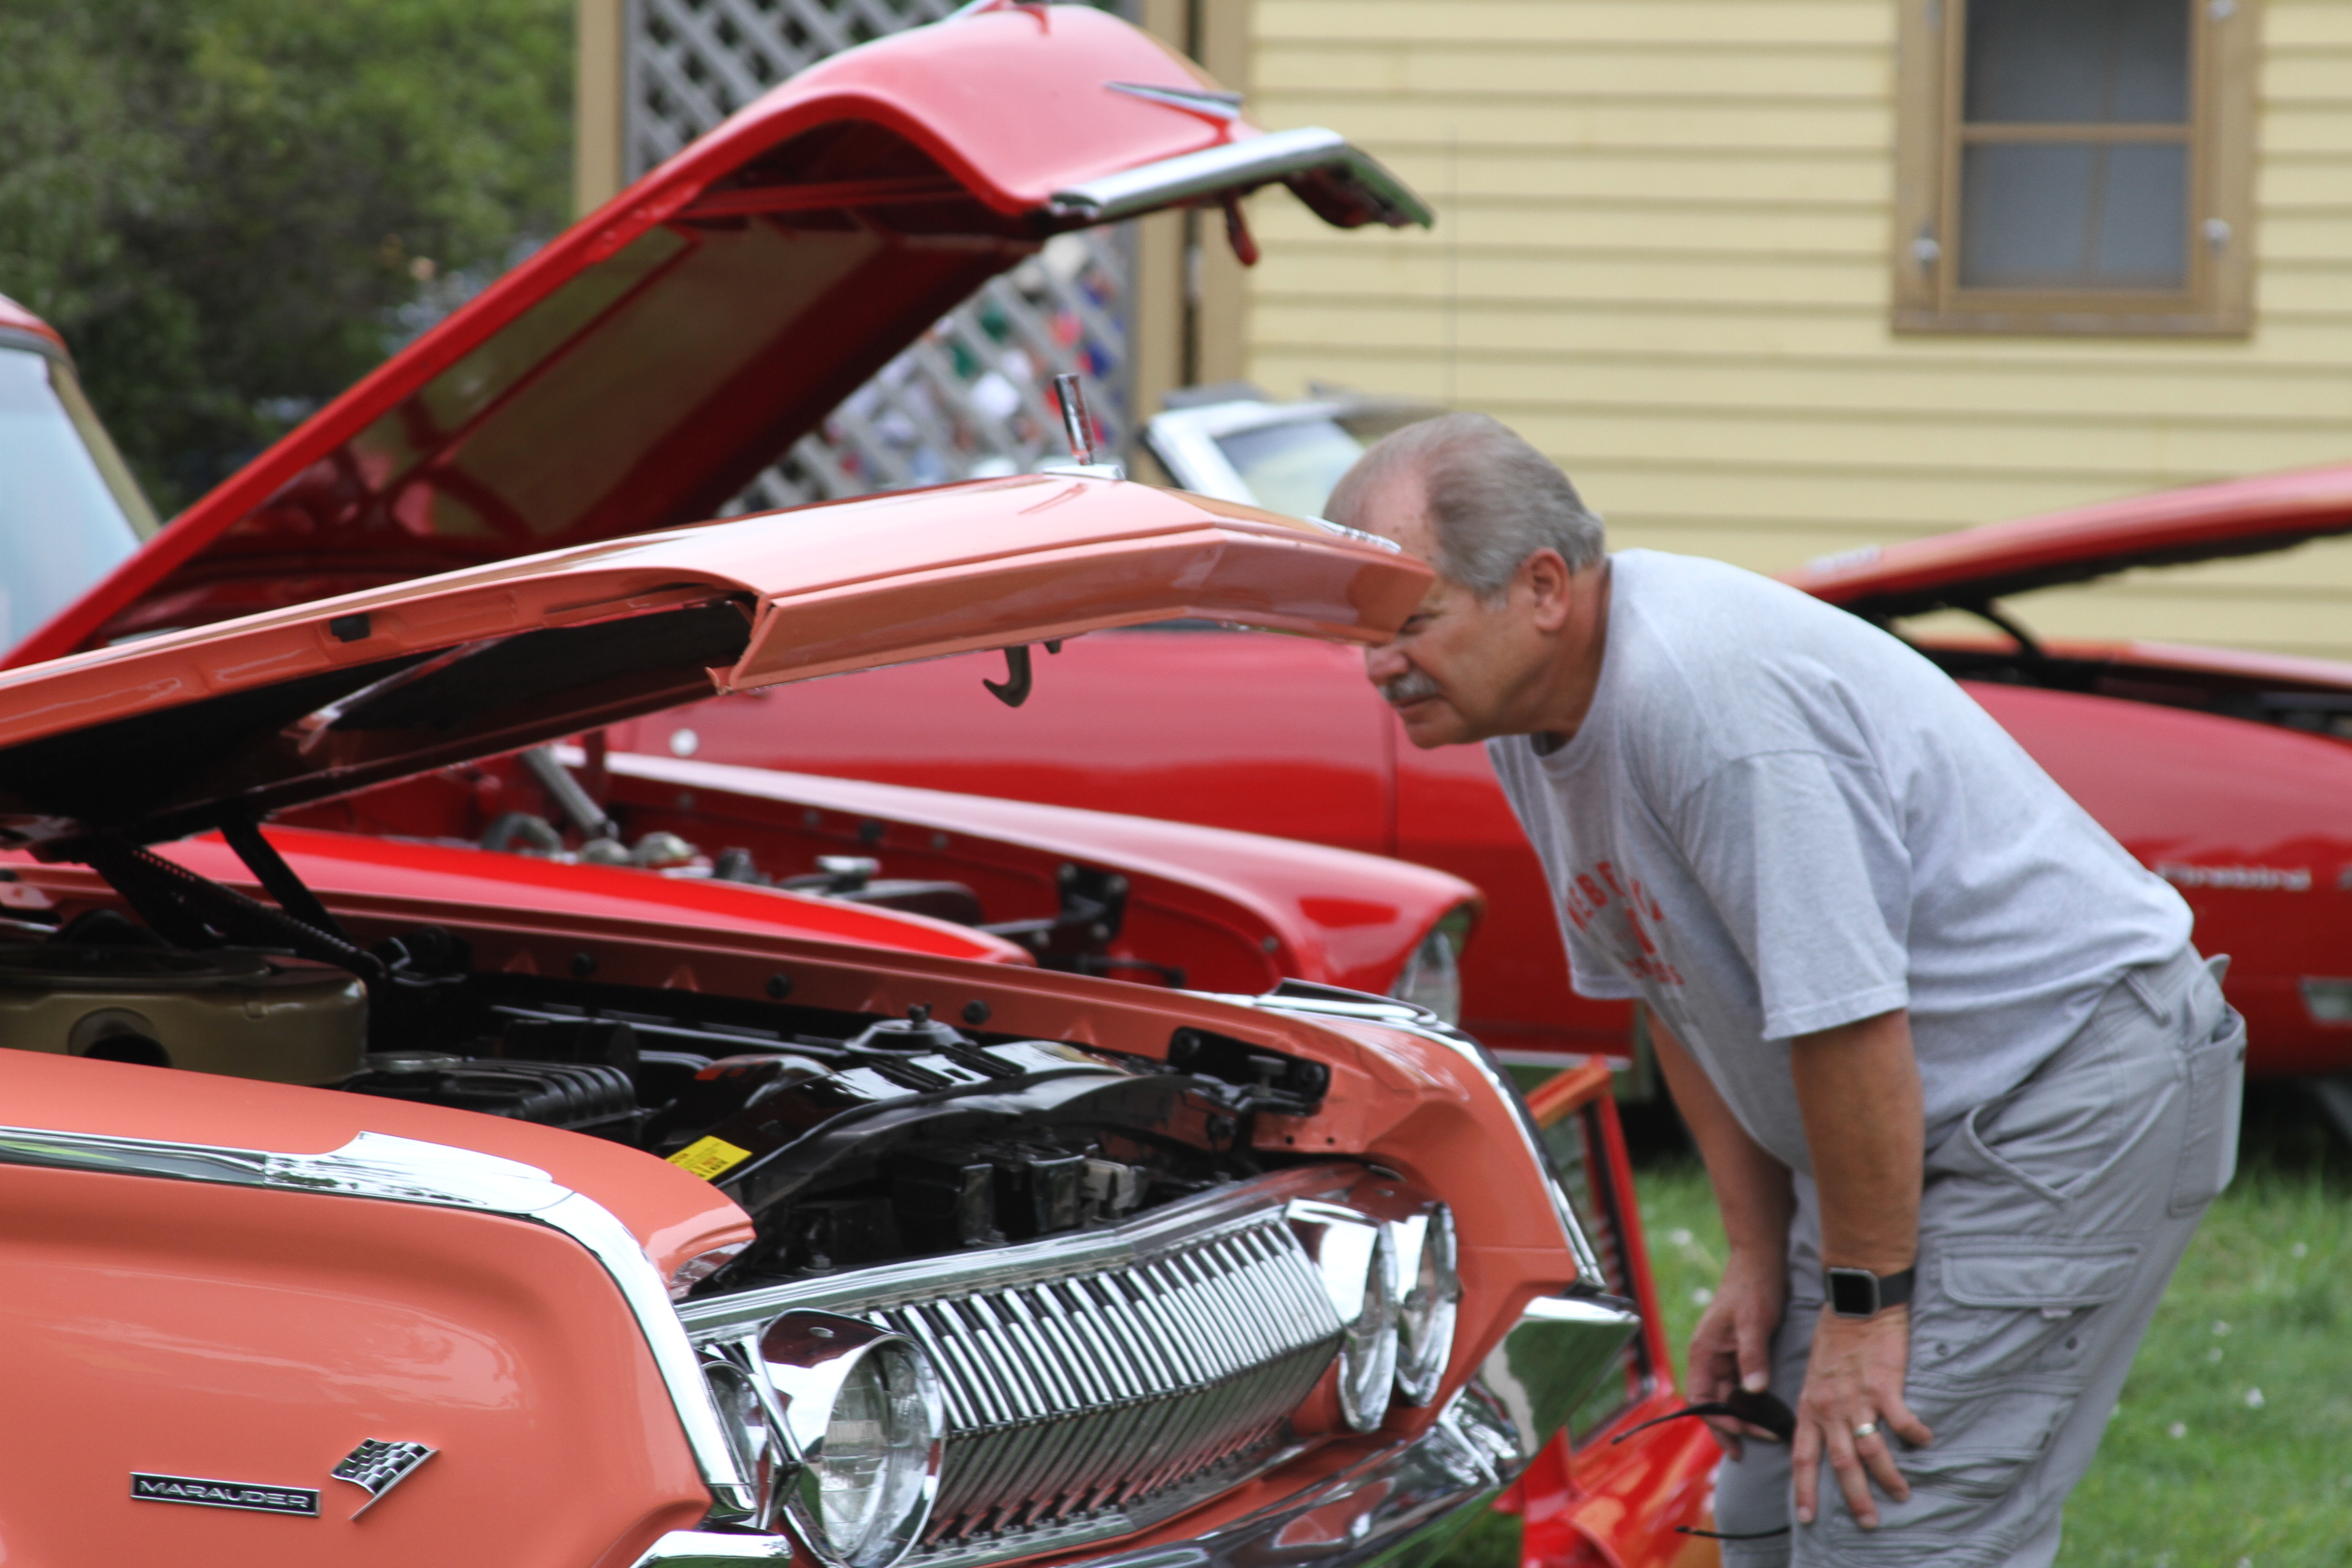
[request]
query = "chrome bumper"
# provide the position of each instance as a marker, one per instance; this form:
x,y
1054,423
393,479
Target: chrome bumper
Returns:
x,y
1395,1505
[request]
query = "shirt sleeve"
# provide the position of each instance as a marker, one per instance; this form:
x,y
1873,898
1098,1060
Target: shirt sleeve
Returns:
x,y
1804,860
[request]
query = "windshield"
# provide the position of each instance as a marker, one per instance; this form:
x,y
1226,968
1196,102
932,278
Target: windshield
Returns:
x,y
69,512
1290,468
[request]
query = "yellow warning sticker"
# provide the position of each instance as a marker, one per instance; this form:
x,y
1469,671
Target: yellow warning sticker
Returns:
x,y
709,1158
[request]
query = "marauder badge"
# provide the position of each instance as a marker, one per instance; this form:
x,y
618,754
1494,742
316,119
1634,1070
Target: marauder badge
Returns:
x,y
377,1466
203,1494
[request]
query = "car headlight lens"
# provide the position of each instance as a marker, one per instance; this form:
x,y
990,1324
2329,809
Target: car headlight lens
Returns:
x,y
865,1414
1433,1293
1356,1255
1432,977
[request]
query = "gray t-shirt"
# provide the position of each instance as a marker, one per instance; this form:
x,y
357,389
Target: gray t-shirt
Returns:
x,y
1777,818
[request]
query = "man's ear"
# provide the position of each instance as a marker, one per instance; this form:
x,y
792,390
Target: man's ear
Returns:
x,y
1544,578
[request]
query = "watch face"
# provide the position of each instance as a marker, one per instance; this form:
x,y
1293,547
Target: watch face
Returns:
x,y
1853,1292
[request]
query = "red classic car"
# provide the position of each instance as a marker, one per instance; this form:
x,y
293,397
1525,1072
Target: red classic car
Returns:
x,y
2225,772
637,371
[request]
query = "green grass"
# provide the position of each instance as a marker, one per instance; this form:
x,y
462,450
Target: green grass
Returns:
x,y
2265,1482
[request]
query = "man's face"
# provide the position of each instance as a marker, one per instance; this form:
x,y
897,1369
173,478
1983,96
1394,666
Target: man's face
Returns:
x,y
1459,670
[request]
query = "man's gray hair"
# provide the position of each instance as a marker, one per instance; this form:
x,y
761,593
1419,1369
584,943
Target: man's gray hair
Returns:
x,y
1493,499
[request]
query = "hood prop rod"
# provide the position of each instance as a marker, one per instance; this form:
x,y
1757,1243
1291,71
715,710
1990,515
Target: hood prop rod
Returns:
x,y
154,885
277,878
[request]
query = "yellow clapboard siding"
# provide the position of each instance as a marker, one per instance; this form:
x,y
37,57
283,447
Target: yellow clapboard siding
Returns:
x,y
2288,27
1529,275
1600,229
1561,125
2288,129
2307,74
1862,506
1856,177
1619,22
1313,323
1859,506
2221,398
1573,71
2131,456
1664,255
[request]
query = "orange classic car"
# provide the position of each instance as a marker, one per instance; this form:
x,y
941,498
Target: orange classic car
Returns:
x,y
372,1197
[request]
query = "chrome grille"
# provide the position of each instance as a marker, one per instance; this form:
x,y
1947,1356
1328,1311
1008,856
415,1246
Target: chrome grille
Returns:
x,y
1084,1406
1098,1382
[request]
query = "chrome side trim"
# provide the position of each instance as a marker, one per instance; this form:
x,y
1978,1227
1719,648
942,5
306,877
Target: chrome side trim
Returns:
x,y
405,1170
1175,1227
1403,1016
1278,154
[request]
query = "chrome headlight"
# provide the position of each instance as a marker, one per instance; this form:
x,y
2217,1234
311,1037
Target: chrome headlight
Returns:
x,y
863,1412
1432,1292
1432,977
1356,1255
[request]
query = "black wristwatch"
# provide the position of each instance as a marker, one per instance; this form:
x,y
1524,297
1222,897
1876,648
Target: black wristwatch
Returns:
x,y
1859,1293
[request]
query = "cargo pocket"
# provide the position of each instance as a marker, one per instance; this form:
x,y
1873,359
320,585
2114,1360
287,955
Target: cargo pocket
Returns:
x,y
2215,1096
2002,1307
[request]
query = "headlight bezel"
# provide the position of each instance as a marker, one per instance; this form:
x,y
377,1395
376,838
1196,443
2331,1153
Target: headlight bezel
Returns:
x,y
812,1360
1429,1292
1356,1255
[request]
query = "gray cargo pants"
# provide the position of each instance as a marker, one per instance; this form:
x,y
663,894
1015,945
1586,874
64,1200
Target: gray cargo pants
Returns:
x,y
2049,1222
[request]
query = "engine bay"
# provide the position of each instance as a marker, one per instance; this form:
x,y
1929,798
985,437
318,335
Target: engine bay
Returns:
x,y
851,1138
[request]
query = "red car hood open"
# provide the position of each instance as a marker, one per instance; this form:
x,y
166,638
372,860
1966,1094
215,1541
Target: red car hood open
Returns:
x,y
641,368
2203,522
158,738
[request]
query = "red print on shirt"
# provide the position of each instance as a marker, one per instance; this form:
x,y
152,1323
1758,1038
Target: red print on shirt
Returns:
x,y
1629,919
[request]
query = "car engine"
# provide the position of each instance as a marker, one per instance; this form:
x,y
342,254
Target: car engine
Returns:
x,y
850,1139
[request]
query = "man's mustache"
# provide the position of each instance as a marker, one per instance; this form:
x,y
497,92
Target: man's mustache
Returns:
x,y
1412,686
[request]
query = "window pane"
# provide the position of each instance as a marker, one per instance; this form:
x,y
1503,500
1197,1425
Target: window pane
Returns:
x,y
2077,61
2073,215
2142,238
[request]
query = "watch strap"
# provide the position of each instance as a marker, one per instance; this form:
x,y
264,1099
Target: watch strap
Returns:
x,y
1859,1293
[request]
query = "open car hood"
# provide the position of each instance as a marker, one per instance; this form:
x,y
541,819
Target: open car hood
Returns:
x,y
1974,567
645,365
226,723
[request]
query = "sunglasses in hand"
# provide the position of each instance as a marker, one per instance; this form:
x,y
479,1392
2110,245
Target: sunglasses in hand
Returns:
x,y
1762,1409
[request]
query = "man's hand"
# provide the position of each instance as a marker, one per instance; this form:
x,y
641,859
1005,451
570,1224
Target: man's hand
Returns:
x,y
1732,1347
1854,1380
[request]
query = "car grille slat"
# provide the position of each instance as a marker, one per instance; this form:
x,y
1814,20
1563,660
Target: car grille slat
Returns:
x,y
1083,1406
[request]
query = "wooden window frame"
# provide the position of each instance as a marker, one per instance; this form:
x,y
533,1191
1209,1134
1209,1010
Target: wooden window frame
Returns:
x,y
2219,298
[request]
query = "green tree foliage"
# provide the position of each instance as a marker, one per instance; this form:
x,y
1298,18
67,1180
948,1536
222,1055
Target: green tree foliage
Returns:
x,y
226,204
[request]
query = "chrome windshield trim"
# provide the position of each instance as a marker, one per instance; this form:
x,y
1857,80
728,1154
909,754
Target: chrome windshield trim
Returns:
x,y
1403,1016
1256,161
1182,1224
406,1170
